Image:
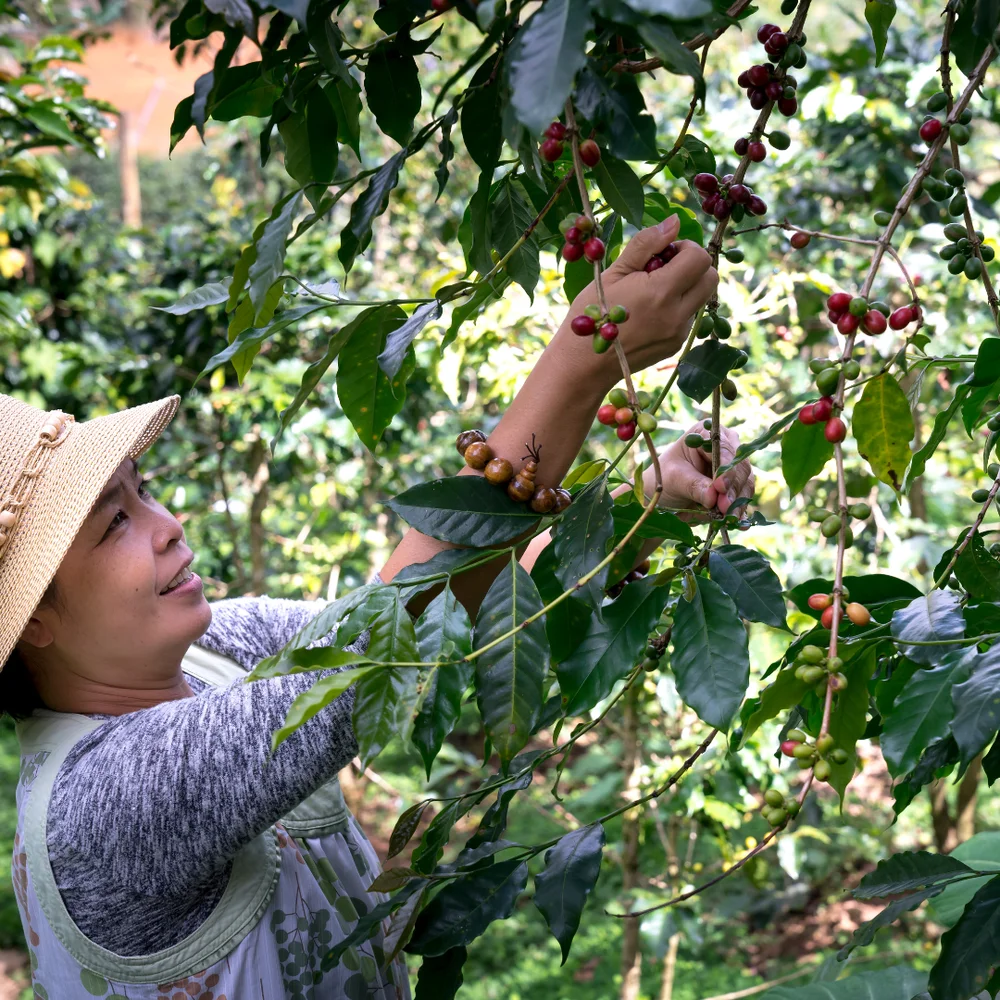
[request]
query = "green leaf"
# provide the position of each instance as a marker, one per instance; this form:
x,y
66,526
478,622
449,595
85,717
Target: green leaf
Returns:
x,y
982,853
324,39
443,632
907,871
545,57
466,510
399,340
848,719
447,150
44,116
705,367
323,693
658,207
310,135
977,571
865,934
618,110
977,21
941,421
921,714
804,452
879,15
610,649
659,524
567,623
977,703
711,659
561,890
463,909
392,87
369,397
582,541
212,294
510,218
969,950
370,203
620,187
345,99
673,10
440,976
676,57
747,577
405,828
269,261
482,113
785,691
883,426
896,983
932,618
237,14
510,676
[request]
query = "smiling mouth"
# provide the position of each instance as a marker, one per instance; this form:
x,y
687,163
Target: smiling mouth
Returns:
x,y
182,577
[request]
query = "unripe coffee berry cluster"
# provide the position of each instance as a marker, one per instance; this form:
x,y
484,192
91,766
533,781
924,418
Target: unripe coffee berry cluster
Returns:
x,y
933,127
627,417
961,251
817,755
600,326
950,187
830,523
520,486
637,573
722,197
814,668
778,807
554,143
993,470
578,232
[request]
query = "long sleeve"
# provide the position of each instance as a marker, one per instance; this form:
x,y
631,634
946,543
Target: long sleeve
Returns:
x,y
153,805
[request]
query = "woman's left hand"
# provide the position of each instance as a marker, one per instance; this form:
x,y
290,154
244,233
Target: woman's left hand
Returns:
x,y
687,474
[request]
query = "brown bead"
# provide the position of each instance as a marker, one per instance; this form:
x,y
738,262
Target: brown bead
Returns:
x,y
543,500
520,489
529,470
563,499
498,471
466,438
478,454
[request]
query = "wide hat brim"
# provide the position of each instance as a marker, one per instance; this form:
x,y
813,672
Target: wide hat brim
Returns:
x,y
75,474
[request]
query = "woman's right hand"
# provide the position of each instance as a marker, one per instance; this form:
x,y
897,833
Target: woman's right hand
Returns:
x,y
661,303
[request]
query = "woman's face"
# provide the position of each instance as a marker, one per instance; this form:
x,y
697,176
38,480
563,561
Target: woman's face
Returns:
x,y
118,622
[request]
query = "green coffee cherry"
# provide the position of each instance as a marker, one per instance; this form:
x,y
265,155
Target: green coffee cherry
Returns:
x,y
964,244
840,756
618,398
987,253
642,397
707,424
735,255
810,675
722,328
740,360
804,752
706,326
965,117
831,526
973,268
796,736
980,496
774,798
811,654
957,264
649,664
776,816
960,133
953,231
993,470
954,177
834,664
694,440
859,306
822,770
824,743
779,140
948,251
957,205
788,6
729,390
818,364
818,514
861,511
593,311
994,422
646,422
851,370
937,102
882,218
827,381
848,537
883,307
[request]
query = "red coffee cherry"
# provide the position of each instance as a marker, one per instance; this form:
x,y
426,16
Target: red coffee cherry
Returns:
x,y
765,31
901,317
743,80
858,613
806,415
572,251
653,264
551,150
757,151
776,42
800,240
820,602
740,193
624,415
606,414
758,75
848,323
788,748
758,98
573,235
823,409
874,321
441,5
774,90
826,619
584,224
835,430
593,249
834,316
757,205
583,326
609,331
838,302
788,106
626,432
556,131
590,152
706,183
930,130
723,208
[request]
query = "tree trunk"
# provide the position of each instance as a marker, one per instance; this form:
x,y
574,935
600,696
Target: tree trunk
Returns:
x,y
631,956
669,968
128,171
952,830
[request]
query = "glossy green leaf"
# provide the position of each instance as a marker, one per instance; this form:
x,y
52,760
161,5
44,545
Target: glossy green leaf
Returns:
x,y
617,109
909,870
620,188
443,632
368,396
977,571
935,617
972,33
323,693
212,294
977,703
269,261
610,648
581,542
440,976
511,216
865,934
879,15
658,207
883,426
566,624
46,118
482,113
405,827
804,452
659,523
969,950
545,57
398,342
510,675
899,982
942,420
747,577
466,510
311,151
981,853
370,203
711,659
705,367
561,890
463,909
921,713
676,57
849,717
392,88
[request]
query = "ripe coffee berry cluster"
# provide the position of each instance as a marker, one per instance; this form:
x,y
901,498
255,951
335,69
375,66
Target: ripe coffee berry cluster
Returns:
x,y
626,417
830,522
578,232
768,81
849,313
778,807
520,486
661,259
933,127
816,755
961,251
637,573
857,613
601,327
553,145
723,197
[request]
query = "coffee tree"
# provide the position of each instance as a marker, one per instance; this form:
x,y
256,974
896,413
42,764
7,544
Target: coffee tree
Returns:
x,y
549,104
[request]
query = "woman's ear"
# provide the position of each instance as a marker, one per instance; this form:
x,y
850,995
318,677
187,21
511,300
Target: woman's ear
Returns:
x,y
36,633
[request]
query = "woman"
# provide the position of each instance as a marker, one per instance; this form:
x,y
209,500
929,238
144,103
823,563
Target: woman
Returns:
x,y
161,851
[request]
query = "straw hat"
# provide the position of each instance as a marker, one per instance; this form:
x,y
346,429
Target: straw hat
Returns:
x,y
52,470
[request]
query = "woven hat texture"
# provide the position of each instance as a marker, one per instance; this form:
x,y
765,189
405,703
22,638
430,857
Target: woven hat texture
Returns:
x,y
73,474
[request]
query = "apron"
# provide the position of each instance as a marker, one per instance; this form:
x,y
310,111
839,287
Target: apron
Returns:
x,y
292,892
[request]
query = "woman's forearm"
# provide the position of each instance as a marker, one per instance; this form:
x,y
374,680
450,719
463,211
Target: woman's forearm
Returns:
x,y
557,403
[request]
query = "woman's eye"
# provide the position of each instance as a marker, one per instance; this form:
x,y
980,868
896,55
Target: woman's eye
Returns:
x,y
119,518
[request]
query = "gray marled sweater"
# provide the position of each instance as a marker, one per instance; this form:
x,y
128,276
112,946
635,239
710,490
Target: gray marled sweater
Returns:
x,y
149,809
